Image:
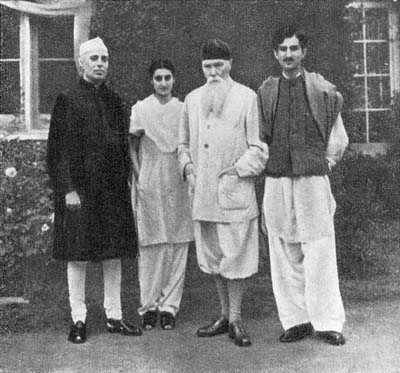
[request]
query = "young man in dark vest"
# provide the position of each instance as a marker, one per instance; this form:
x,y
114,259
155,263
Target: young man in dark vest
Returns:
x,y
301,123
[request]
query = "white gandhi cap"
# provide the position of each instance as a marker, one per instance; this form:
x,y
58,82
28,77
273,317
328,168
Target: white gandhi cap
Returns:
x,y
92,45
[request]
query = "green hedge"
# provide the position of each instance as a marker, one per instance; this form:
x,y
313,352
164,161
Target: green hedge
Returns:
x,y
26,218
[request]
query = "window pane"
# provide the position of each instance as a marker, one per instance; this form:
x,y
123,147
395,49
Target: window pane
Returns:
x,y
355,19
55,76
378,131
9,31
355,126
9,88
378,58
357,58
379,92
377,24
359,93
55,37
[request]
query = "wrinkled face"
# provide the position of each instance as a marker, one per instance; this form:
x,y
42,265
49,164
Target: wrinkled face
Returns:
x,y
95,66
290,54
163,82
216,69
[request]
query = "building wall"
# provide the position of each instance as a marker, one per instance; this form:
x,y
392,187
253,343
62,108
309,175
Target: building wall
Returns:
x,y
137,31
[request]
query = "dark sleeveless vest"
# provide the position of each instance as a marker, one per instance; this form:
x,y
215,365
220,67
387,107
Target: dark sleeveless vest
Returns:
x,y
296,120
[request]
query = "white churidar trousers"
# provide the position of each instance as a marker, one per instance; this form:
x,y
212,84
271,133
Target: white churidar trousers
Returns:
x,y
161,275
76,273
305,283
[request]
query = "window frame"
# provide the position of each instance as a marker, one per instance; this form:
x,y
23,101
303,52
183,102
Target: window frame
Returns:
x,y
29,73
394,58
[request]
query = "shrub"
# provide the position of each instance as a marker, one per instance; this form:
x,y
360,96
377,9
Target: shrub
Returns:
x,y
367,192
357,185
26,213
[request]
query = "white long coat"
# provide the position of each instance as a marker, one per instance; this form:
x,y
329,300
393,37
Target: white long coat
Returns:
x,y
215,144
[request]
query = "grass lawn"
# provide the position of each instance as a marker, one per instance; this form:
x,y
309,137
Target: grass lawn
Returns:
x,y
43,282
33,337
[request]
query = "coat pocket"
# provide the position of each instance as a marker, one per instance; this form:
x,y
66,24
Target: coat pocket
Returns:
x,y
235,193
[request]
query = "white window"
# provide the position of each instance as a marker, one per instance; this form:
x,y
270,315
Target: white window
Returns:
x,y
10,97
375,56
36,63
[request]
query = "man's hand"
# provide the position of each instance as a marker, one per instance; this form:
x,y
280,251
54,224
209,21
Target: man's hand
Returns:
x,y
190,175
229,171
191,180
73,201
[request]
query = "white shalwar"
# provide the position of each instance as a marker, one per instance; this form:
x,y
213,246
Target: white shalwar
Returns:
x,y
298,213
162,206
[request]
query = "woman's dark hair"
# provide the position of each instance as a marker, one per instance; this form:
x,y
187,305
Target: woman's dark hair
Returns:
x,y
161,64
287,32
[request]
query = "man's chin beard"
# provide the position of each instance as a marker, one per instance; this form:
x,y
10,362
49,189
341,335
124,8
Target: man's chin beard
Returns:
x,y
214,96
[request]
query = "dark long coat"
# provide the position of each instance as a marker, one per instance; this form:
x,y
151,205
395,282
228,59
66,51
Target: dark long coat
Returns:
x,y
87,152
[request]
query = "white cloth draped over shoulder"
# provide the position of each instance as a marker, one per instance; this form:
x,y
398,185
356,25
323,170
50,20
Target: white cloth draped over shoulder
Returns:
x,y
158,121
163,207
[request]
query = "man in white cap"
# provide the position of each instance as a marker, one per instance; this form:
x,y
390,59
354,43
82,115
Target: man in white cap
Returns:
x,y
220,153
88,163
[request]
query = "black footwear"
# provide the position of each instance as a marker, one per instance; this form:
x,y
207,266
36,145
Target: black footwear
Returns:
x,y
331,337
121,327
296,333
238,333
77,333
149,320
219,326
167,320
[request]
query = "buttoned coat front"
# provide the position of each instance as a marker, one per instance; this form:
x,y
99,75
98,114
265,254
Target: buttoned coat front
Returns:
x,y
87,152
215,144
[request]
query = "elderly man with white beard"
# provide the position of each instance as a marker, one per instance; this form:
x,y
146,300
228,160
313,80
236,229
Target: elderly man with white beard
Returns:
x,y
220,154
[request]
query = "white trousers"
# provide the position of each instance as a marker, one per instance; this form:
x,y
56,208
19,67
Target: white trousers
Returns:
x,y
76,273
305,283
161,275
227,249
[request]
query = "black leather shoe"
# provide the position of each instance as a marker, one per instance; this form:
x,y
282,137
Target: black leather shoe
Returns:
x,y
296,333
77,333
219,326
331,337
167,320
149,320
238,333
121,327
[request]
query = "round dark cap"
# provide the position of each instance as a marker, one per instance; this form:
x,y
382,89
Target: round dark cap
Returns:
x,y
215,49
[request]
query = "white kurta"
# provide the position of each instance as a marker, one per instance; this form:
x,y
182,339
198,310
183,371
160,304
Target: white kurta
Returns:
x,y
300,209
163,206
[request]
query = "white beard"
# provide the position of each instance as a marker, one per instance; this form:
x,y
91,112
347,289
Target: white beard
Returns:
x,y
213,96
